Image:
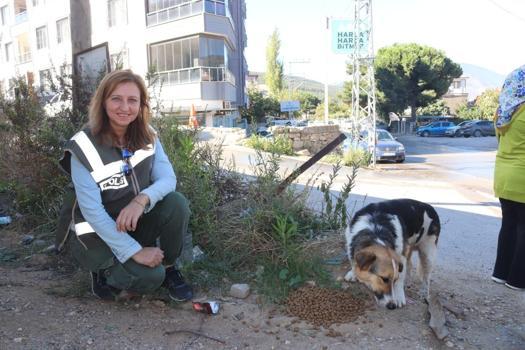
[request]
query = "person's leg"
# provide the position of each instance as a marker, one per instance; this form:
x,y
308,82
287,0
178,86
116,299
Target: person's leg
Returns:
x,y
516,275
135,277
506,239
106,272
168,221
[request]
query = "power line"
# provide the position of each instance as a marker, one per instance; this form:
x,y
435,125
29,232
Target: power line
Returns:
x,y
507,11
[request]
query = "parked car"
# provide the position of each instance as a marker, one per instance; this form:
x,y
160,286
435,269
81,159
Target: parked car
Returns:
x,y
382,125
265,133
454,131
387,147
434,129
477,128
262,131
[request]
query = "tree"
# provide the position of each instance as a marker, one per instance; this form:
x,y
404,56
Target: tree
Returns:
x,y
487,103
484,107
436,108
468,112
260,106
309,102
274,68
412,75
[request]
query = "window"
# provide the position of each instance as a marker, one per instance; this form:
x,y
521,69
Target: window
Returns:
x,y
24,48
191,60
160,11
8,52
45,79
20,7
41,37
117,12
3,15
65,70
217,7
62,30
212,52
177,54
119,60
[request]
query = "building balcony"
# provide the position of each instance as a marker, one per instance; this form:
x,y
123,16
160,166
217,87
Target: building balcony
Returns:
x,y
23,58
197,74
192,8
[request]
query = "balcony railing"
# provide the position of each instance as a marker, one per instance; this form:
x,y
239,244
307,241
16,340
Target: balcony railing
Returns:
x,y
23,58
196,75
188,9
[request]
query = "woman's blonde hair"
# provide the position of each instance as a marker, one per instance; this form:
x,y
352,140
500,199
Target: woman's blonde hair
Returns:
x,y
139,134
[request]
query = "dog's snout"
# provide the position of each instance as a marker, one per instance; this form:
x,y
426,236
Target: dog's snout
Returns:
x,y
391,306
379,296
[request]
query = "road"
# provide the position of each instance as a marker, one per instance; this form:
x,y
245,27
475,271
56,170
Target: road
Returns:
x,y
453,174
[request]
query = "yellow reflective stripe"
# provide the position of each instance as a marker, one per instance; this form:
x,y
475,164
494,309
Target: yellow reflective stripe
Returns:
x,y
88,149
82,228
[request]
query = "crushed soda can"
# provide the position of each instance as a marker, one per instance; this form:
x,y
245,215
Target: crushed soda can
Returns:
x,y
207,307
5,220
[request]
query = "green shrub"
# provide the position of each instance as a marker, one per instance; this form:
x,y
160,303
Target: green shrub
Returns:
x,y
29,156
357,156
278,145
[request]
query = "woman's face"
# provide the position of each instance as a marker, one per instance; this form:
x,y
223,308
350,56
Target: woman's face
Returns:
x,y
123,105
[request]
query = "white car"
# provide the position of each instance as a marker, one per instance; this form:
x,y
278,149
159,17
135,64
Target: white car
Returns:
x,y
453,131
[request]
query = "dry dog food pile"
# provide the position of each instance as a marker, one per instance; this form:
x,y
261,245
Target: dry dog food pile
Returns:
x,y
324,307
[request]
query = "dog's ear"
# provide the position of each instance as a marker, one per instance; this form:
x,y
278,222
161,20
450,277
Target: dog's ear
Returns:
x,y
364,259
401,267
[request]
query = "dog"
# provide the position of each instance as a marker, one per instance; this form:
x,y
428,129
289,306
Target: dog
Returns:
x,y
380,240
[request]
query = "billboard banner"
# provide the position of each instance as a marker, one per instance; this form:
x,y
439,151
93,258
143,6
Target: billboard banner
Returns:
x,y
343,41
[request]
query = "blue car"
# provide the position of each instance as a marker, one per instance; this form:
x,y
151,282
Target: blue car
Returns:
x,y
435,129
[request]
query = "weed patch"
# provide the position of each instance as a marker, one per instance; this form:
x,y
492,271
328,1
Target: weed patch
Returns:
x,y
278,144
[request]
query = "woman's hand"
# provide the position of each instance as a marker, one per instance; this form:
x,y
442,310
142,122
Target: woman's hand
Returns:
x,y
149,256
129,216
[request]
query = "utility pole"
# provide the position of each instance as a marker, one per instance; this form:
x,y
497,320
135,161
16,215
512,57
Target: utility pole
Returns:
x,y
363,81
326,78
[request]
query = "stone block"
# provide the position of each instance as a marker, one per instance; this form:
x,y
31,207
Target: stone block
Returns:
x,y
240,290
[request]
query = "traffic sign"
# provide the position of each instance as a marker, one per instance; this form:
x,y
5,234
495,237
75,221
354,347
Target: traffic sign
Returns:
x,y
290,106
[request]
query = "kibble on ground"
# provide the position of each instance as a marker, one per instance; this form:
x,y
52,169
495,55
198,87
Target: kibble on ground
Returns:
x,y
324,307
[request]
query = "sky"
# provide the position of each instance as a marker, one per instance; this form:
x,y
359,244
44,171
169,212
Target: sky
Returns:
x,y
485,33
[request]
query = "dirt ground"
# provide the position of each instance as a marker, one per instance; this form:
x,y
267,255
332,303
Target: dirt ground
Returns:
x,y
44,305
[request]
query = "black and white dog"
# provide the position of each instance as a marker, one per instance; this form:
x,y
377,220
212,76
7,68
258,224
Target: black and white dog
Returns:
x,y
380,240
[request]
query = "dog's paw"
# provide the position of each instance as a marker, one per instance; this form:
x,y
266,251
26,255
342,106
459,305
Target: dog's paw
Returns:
x,y
350,277
400,300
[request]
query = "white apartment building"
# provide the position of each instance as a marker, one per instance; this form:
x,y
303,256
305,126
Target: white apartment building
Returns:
x,y
195,46
32,48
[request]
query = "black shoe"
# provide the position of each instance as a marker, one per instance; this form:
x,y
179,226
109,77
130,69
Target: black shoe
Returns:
x,y
100,288
178,290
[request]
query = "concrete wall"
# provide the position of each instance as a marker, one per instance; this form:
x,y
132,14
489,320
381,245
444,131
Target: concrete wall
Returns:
x,y
312,138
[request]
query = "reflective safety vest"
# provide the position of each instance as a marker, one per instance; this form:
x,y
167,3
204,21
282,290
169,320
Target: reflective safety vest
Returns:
x,y
106,165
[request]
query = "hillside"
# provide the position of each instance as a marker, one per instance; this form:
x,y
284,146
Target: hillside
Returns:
x,y
303,84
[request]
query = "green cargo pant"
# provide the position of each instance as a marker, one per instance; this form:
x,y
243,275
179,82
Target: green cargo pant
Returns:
x,y
167,222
